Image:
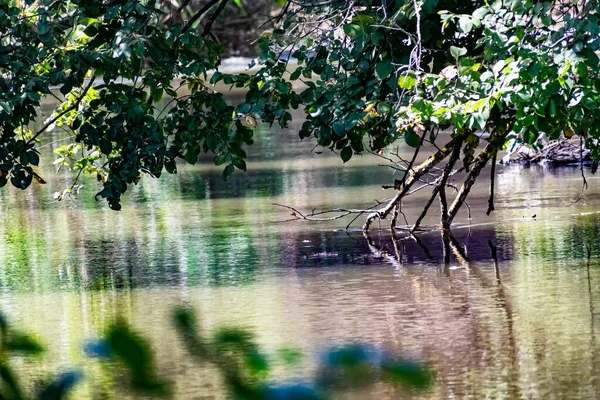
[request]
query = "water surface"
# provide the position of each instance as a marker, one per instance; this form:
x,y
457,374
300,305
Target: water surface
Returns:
x,y
524,328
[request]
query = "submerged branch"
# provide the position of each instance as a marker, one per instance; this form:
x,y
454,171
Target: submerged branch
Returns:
x,y
480,162
414,176
444,179
315,215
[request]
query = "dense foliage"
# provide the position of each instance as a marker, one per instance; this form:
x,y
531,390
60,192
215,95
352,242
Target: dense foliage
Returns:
x,y
375,71
386,70
112,62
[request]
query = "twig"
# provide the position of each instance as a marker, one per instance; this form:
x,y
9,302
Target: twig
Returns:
x,y
585,184
59,116
480,161
313,216
358,216
492,181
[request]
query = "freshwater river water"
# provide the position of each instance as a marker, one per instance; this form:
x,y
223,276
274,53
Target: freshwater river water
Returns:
x,y
526,329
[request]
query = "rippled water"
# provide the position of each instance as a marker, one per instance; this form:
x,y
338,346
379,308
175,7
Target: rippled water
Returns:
x,y
525,328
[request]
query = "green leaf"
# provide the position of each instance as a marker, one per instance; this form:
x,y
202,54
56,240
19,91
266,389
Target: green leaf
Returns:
x,y
383,69
457,52
296,74
412,139
105,146
34,157
43,28
407,81
191,156
346,154
171,166
363,19
9,379
227,172
339,128
480,13
239,163
136,355
353,30
23,344
221,159
377,37
282,87
465,23
552,109
408,373
91,31
217,76
156,93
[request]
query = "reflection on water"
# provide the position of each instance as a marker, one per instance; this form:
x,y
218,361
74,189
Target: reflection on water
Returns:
x,y
524,329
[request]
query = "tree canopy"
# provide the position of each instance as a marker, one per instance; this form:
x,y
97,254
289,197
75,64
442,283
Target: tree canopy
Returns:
x,y
374,73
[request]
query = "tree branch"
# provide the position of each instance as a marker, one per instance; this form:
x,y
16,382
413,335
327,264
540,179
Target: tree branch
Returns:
x,y
482,158
213,17
59,116
199,14
413,177
492,182
442,185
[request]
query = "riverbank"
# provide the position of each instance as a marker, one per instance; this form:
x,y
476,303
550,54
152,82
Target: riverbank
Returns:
x,y
564,151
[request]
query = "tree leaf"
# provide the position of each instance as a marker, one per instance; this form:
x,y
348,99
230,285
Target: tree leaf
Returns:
x,y
191,156
481,12
411,138
106,146
383,69
465,23
353,31
227,172
407,81
339,128
23,344
346,154
457,52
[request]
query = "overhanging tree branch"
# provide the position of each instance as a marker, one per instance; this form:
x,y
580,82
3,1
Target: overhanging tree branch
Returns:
x,y
413,177
61,114
199,14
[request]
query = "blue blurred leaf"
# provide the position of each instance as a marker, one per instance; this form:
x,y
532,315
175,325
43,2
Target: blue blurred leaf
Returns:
x,y
60,388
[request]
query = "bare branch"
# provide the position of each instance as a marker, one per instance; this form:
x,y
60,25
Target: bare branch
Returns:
x,y
444,179
314,216
413,177
481,160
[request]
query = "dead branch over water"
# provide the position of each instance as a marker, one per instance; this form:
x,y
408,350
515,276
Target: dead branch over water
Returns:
x,y
429,174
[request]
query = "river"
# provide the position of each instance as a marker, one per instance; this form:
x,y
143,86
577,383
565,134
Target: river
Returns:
x,y
525,328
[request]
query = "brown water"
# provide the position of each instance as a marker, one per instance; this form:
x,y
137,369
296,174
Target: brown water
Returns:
x,y
526,329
